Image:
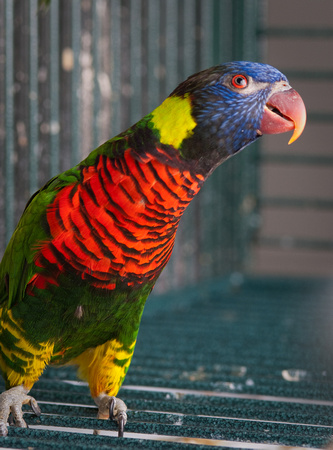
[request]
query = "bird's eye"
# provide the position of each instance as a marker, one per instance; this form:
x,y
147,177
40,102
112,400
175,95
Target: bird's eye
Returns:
x,y
239,81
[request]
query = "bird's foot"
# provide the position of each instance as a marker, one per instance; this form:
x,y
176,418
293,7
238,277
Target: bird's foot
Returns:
x,y
11,402
112,408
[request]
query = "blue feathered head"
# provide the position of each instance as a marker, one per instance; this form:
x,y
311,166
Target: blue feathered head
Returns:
x,y
235,103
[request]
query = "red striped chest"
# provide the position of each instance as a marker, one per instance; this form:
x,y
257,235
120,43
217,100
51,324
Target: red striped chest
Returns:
x,y
120,222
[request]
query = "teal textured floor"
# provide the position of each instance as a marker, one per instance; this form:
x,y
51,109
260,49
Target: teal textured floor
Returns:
x,y
237,365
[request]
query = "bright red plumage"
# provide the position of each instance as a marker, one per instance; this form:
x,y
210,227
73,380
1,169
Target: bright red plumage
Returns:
x,y
121,220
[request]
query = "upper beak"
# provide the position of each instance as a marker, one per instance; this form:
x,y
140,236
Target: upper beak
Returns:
x,y
284,111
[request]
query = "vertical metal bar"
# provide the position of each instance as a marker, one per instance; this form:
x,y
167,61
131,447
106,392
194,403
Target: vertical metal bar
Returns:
x,y
153,55
115,69
103,76
215,29
96,68
237,167
180,32
249,167
193,217
33,97
171,80
222,31
250,21
2,125
76,36
125,81
86,80
244,47
171,45
238,29
9,121
213,196
135,60
189,42
54,90
222,181
206,22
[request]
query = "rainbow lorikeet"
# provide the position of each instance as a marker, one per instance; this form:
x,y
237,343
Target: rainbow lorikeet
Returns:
x,y
92,242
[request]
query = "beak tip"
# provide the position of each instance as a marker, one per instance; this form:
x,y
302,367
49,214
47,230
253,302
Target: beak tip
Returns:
x,y
299,126
293,138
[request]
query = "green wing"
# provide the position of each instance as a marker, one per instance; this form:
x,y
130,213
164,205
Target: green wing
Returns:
x,y
17,265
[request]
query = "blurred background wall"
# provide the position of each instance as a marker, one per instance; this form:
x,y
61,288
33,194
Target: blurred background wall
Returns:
x,y
296,189
77,72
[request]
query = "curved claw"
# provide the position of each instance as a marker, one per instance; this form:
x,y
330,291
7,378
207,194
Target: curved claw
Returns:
x,y
111,408
122,419
120,416
35,407
11,422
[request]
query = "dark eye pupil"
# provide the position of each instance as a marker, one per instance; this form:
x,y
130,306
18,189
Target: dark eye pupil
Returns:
x,y
240,81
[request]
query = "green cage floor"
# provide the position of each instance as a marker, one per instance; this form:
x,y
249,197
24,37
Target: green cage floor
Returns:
x,y
235,365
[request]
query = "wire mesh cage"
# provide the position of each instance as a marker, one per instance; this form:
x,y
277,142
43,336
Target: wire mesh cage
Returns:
x,y
75,73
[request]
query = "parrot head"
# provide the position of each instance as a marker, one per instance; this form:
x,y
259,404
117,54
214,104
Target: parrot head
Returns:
x,y
232,105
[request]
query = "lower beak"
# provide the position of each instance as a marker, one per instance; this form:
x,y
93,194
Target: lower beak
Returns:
x,y
284,111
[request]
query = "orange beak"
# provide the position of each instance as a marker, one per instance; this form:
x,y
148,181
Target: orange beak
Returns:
x,y
284,111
